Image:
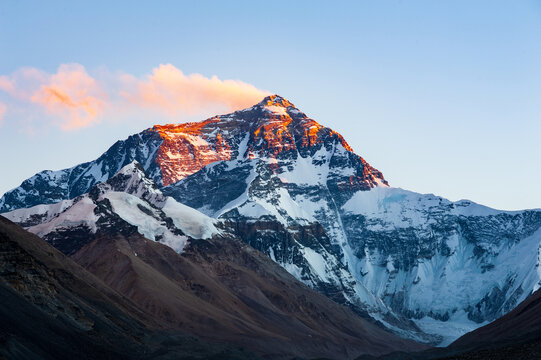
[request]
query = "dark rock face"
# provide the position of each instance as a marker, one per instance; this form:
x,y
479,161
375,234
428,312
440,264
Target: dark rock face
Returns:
x,y
224,185
288,246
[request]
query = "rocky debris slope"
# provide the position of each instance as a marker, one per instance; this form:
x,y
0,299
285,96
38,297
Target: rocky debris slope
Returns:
x,y
223,290
54,309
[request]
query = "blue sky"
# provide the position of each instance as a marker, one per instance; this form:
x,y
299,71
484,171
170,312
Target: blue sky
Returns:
x,y
441,96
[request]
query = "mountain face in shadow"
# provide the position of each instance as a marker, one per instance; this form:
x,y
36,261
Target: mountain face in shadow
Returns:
x,y
54,309
516,335
146,301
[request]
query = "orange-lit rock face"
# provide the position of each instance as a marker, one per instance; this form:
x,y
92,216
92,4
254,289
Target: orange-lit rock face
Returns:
x,y
274,136
186,149
275,100
280,132
370,177
273,129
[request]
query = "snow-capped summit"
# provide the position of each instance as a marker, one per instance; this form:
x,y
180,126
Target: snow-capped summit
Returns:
x,y
133,169
277,105
132,179
276,100
273,128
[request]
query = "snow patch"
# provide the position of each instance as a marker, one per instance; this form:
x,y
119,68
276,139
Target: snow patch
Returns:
x,y
192,222
317,263
279,110
81,213
450,330
129,208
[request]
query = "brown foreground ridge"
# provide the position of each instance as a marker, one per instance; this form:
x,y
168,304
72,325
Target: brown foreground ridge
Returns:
x,y
219,299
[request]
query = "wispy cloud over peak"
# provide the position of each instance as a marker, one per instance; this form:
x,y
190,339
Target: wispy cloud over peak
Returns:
x,y
73,98
169,89
72,95
3,109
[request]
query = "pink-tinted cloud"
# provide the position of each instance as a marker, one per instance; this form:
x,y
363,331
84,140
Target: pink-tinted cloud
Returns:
x,y
72,95
72,98
23,82
3,109
7,85
169,90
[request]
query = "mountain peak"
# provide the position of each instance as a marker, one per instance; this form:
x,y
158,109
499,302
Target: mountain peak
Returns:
x,y
132,179
132,168
276,100
171,152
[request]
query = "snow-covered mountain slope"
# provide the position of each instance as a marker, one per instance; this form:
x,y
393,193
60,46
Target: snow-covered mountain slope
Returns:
x,y
48,187
423,266
449,266
169,153
126,203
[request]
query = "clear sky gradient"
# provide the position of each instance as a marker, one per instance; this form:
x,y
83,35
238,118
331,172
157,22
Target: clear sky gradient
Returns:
x,y
442,96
